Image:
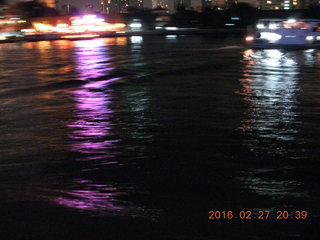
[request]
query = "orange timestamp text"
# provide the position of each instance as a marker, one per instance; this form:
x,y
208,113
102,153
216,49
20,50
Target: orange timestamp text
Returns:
x,y
257,214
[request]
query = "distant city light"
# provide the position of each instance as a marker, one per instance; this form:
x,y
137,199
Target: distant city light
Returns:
x,y
87,24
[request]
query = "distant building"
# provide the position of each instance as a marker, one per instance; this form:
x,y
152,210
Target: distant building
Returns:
x,y
106,6
116,6
49,3
284,4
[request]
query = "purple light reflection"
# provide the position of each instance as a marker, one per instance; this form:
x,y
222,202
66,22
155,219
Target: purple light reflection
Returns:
x,y
91,128
92,59
91,200
92,133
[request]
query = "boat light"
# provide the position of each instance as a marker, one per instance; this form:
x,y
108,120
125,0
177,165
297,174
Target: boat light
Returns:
x,y
171,28
309,38
260,26
80,36
249,38
136,25
292,20
272,37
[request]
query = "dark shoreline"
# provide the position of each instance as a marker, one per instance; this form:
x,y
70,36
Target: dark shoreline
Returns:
x,y
51,37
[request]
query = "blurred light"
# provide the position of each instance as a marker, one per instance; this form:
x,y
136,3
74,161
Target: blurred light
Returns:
x,y
235,18
136,39
270,36
260,26
80,36
171,28
171,36
43,27
136,25
230,24
310,38
273,26
292,20
249,38
28,31
87,19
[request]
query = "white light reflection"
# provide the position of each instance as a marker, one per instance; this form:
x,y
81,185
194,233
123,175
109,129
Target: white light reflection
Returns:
x,y
271,77
136,39
171,37
269,89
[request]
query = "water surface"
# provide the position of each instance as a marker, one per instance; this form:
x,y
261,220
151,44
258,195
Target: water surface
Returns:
x,y
140,137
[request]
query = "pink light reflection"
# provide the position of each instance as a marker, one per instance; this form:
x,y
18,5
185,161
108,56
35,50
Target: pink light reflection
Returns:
x,y
92,60
92,132
99,199
91,128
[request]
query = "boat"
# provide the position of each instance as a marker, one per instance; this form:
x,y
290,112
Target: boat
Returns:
x,y
285,34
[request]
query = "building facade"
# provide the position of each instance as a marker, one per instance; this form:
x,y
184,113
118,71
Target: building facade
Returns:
x,y
284,4
49,3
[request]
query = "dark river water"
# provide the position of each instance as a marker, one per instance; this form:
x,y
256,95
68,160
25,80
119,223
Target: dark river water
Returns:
x,y
140,137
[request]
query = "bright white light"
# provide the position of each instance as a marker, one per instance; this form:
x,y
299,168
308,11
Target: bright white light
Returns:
x,y
171,36
136,39
272,37
171,28
310,38
249,38
136,25
318,38
229,24
292,20
159,28
260,26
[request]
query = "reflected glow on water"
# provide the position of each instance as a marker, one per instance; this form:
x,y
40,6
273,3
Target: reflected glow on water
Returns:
x,y
92,61
136,39
91,131
99,199
269,88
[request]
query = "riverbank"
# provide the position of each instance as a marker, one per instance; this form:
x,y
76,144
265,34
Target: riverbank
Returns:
x,y
181,31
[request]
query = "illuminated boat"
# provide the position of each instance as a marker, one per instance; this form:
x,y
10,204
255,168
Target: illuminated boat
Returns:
x,y
285,33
